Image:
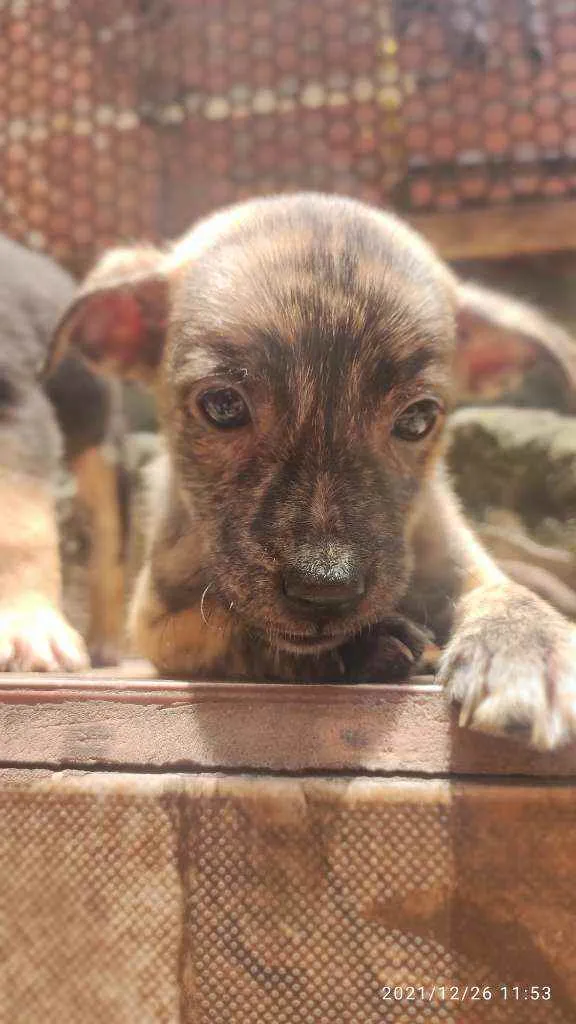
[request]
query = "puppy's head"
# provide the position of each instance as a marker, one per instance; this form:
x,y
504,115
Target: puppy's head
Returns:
x,y
302,348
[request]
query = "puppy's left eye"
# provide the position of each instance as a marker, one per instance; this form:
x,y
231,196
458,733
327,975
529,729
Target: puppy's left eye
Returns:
x,y
224,408
417,421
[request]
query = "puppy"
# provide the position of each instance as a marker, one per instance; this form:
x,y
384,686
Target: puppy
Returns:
x,y
40,420
302,350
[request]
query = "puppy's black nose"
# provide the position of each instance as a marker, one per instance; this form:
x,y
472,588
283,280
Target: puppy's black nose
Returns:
x,y
327,578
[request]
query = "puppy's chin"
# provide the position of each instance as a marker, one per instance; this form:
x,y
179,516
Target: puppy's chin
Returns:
x,y
294,643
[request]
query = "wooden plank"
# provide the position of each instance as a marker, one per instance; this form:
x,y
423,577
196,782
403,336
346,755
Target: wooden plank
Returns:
x,y
137,721
492,232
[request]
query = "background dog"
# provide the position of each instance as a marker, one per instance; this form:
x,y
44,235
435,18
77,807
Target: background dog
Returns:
x,y
41,419
302,351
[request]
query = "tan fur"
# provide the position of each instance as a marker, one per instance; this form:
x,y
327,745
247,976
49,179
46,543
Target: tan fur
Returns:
x,y
34,635
97,489
167,640
543,583
440,531
30,561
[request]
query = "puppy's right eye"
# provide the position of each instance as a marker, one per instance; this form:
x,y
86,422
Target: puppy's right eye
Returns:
x,y
225,408
417,421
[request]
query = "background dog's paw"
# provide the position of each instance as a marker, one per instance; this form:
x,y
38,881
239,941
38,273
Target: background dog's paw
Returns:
x,y
35,637
512,666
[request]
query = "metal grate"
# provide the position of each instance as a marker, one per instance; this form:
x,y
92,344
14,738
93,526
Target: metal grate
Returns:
x,y
130,119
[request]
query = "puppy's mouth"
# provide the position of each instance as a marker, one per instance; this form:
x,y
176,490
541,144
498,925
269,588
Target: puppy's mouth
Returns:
x,y
302,643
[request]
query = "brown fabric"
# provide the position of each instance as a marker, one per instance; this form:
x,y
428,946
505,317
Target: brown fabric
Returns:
x,y
135,898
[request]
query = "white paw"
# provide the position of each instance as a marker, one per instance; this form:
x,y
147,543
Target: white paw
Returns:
x,y
35,637
511,664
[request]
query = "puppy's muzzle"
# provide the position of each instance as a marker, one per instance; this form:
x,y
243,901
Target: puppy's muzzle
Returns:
x,y
323,582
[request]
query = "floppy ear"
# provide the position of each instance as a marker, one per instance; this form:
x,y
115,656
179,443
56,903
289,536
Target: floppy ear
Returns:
x,y
118,318
497,334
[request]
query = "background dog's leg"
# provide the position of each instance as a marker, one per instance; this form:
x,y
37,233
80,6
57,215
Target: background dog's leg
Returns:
x,y
97,481
34,636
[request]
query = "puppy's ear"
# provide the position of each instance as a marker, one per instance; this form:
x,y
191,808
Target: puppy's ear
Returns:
x,y
499,334
118,318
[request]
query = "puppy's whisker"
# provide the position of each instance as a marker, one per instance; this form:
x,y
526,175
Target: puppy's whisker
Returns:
x,y
206,619
164,641
202,600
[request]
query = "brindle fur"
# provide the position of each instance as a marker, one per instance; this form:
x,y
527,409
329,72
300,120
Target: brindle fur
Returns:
x,y
330,317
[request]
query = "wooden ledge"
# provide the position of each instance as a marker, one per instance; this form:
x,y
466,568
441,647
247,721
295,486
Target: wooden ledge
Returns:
x,y
496,232
128,719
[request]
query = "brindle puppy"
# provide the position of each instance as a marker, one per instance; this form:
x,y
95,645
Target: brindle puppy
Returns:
x,y
302,350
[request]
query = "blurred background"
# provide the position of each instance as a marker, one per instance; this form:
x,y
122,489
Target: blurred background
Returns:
x,y
123,120
126,119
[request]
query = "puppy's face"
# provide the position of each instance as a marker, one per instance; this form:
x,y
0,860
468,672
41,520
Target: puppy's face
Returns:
x,y
303,388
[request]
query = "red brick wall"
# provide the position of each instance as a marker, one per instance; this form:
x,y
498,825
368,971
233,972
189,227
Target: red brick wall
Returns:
x,y
123,120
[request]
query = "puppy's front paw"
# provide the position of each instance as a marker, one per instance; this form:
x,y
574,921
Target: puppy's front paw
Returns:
x,y
386,653
35,637
511,664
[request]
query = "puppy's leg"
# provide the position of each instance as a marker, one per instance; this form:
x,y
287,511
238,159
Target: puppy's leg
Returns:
x,y
511,661
34,635
98,490
388,651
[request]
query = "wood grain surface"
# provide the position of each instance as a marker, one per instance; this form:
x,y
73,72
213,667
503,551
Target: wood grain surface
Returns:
x,y
129,719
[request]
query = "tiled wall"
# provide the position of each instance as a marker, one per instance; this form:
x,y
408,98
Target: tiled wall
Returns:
x,y
129,119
